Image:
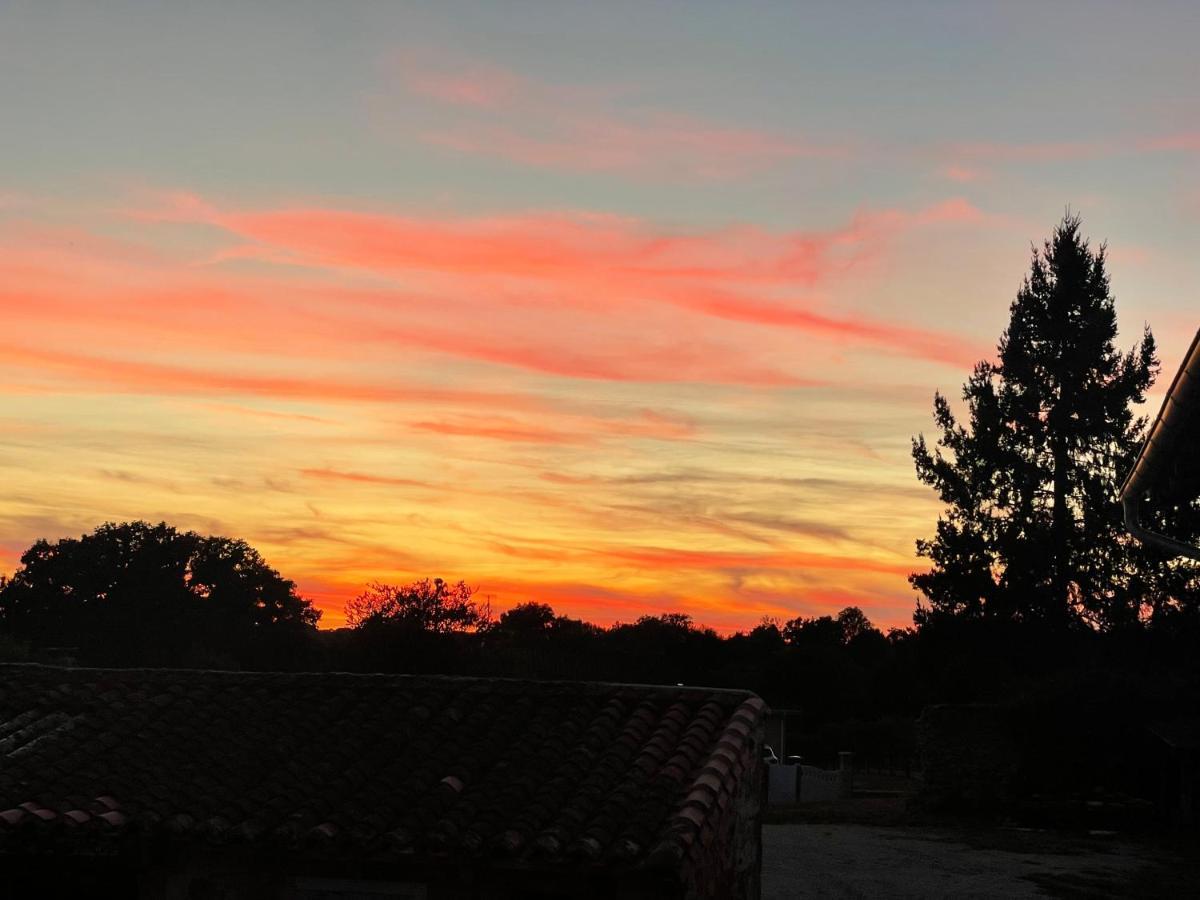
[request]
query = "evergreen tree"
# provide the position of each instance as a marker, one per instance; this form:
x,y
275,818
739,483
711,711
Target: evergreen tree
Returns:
x,y
1032,528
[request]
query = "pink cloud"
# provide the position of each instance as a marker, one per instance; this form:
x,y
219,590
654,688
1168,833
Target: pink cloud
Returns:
x,y
968,155
140,309
604,263
502,429
93,374
579,128
1046,151
926,344
1187,142
485,87
671,146
962,174
661,361
570,295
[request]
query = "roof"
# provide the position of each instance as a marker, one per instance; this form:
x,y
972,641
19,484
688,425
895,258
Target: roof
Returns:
x,y
1180,407
1165,463
1181,733
373,766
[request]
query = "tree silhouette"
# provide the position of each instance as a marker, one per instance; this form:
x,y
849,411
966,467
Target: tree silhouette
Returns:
x,y
527,619
136,593
1032,528
428,605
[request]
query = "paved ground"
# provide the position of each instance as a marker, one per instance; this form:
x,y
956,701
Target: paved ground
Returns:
x,y
849,860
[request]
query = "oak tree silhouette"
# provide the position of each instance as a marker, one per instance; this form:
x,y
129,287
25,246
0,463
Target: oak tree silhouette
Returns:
x,y
141,594
429,605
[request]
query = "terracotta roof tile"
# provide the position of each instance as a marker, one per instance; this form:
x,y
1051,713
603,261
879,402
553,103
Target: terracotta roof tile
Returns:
x,y
373,764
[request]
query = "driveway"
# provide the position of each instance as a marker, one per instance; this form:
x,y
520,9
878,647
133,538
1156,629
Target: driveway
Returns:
x,y
844,860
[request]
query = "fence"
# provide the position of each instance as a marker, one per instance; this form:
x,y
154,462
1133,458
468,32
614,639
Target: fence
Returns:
x,y
798,783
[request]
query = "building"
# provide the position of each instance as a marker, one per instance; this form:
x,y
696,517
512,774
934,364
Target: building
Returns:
x,y
1166,471
1166,474
198,784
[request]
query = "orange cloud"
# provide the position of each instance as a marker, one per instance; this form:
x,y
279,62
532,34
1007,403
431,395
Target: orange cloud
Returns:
x,y
659,558
654,559
501,430
574,429
264,413
96,373
363,478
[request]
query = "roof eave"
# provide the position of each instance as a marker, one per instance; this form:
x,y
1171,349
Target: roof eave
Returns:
x,y
1181,404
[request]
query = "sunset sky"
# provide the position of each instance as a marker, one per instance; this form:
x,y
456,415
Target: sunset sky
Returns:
x,y
624,308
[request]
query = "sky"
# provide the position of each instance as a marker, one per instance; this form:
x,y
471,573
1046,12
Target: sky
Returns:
x,y
625,308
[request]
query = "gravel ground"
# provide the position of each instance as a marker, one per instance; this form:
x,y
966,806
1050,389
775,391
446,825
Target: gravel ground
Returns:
x,y
846,860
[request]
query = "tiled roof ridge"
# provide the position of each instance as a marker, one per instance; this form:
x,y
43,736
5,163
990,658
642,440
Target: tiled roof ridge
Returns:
x,y
123,673
516,769
714,788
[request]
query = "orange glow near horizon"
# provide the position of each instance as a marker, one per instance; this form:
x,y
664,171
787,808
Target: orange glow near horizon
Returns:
x,y
578,410
573,409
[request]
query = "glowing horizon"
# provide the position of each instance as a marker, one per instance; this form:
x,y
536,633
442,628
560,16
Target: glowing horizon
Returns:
x,y
391,298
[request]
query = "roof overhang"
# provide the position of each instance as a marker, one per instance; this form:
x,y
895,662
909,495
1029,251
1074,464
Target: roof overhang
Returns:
x,y
1179,413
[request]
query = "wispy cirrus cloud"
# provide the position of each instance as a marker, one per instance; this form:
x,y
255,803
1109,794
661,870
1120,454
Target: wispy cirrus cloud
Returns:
x,y
141,307
481,109
654,558
648,144
573,429
971,161
607,265
962,174
501,114
406,378
501,429
89,373
482,86
1034,151
1185,142
367,478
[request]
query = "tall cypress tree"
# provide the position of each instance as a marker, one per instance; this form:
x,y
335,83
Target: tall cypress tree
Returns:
x,y
1032,528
